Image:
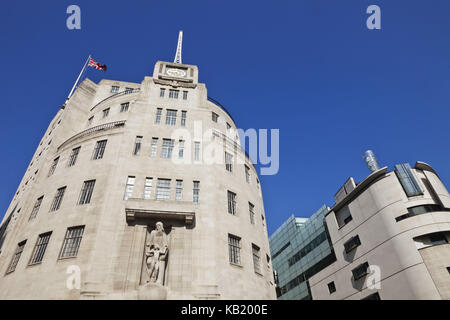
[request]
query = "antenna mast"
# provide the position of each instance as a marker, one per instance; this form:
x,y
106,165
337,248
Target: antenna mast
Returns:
x,y
180,43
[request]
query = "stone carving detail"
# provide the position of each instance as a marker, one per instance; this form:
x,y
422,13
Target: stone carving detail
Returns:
x,y
175,83
156,254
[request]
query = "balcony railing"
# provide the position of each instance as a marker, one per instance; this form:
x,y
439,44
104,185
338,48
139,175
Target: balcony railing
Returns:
x,y
106,126
134,90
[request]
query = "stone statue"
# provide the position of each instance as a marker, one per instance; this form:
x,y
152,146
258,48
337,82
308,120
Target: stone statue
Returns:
x,y
156,252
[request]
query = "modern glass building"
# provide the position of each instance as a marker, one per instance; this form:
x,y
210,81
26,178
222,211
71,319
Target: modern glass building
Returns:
x,y
300,248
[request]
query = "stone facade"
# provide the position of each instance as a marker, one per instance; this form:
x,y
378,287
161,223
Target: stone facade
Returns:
x,y
404,237
111,255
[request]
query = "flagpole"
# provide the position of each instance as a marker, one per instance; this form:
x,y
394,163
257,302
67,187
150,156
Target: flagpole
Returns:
x,y
78,79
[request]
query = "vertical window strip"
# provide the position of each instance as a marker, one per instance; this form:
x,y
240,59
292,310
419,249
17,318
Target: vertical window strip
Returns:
x,y
256,258
251,209
196,191
183,118
129,187
99,150
148,188
16,256
234,246
53,167
185,94
72,242
408,180
181,149
214,116
137,146
58,199
228,162
86,192
179,190
154,147
158,115
196,151
73,156
247,174
173,94
114,89
36,207
231,203
162,91
105,112
39,249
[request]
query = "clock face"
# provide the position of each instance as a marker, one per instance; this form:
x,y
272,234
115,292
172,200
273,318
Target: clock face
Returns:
x,y
176,72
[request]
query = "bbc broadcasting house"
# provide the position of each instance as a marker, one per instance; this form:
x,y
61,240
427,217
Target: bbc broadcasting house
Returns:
x,y
386,237
104,197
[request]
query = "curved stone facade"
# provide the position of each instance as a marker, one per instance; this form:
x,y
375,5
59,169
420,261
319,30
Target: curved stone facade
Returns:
x,y
116,218
404,237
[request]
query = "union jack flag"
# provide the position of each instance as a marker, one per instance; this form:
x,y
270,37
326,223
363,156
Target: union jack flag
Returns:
x,y
96,65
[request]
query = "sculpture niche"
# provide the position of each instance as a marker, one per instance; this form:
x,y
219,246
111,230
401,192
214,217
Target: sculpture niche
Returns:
x,y
156,254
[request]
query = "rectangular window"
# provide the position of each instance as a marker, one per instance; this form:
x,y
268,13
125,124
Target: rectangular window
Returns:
x,y
256,258
99,150
105,113
228,162
114,89
196,191
181,149
167,148
16,256
331,287
124,107
129,187
214,116
36,207
137,146
408,180
231,203
179,190
53,167
86,192
158,115
251,209
162,91
234,249
71,242
197,151
128,90
171,117
73,156
360,271
183,118
185,93
438,238
58,199
352,243
173,94
154,148
247,174
148,188
373,296
343,216
39,249
163,189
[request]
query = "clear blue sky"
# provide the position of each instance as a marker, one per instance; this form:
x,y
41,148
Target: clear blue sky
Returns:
x,y
310,68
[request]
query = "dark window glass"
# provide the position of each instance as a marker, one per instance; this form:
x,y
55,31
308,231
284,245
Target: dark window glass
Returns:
x,y
352,243
99,149
373,296
16,256
360,271
58,199
73,156
234,246
39,249
36,207
408,180
438,238
72,242
331,287
86,192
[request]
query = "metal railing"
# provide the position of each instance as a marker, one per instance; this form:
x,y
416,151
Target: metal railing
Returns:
x,y
106,126
134,90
